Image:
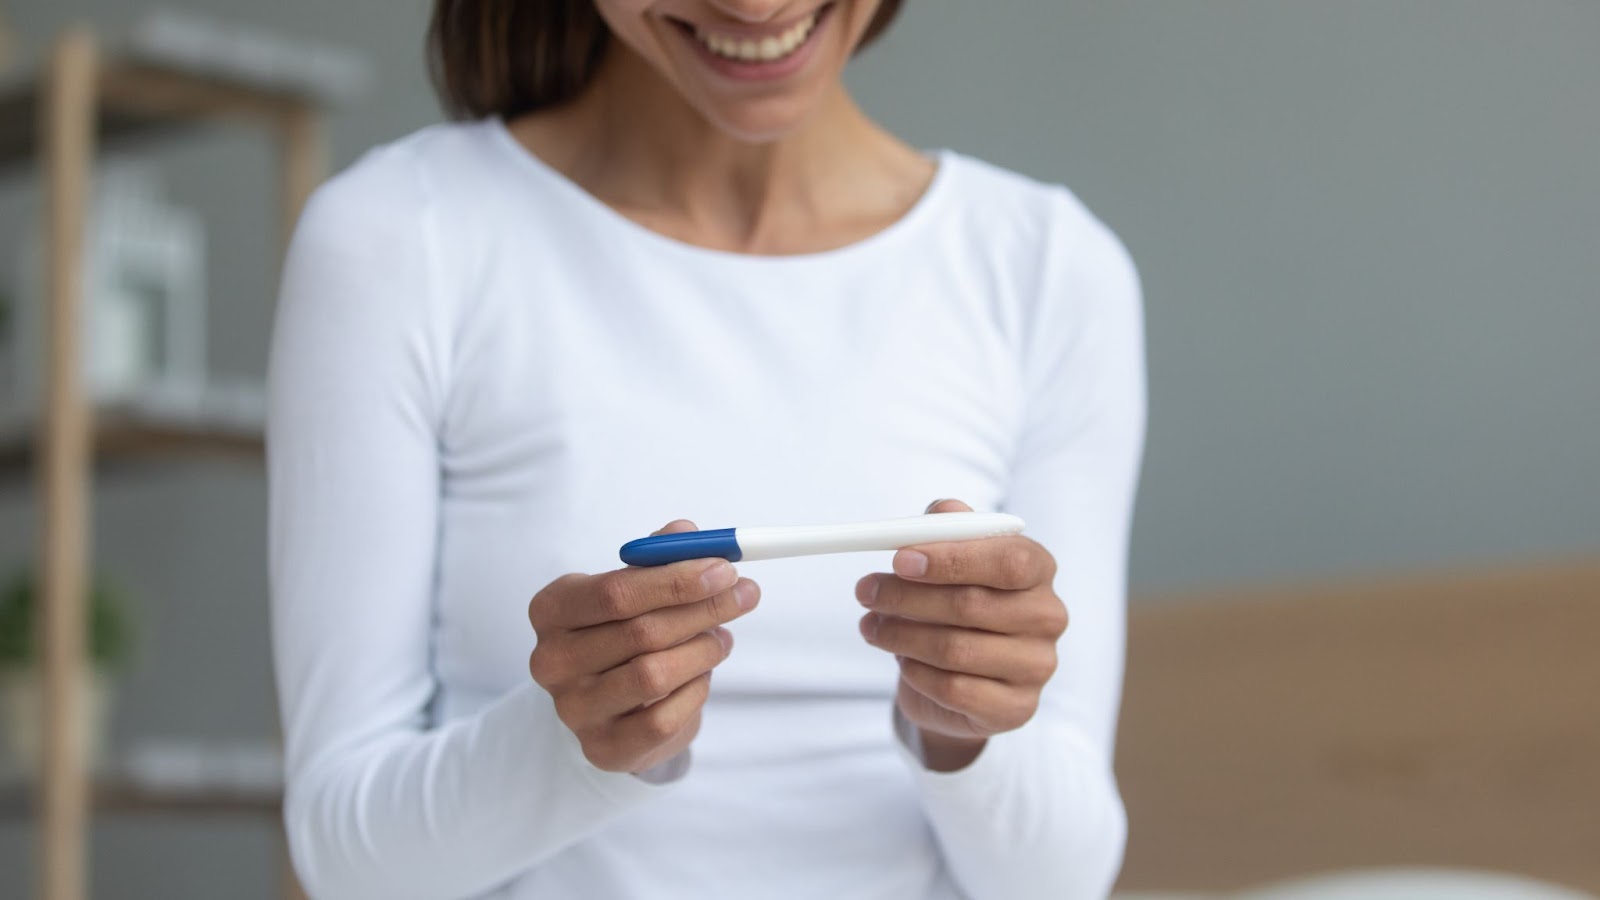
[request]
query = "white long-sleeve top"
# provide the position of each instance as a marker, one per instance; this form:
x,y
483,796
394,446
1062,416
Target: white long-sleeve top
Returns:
x,y
483,378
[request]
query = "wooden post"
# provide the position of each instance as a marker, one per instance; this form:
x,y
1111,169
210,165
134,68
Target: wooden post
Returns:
x,y
68,132
304,161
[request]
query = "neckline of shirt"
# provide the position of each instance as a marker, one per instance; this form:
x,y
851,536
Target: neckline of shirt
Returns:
x,y
908,222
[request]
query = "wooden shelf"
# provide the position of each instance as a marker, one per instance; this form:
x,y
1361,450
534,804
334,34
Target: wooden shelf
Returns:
x,y
140,100
119,435
61,114
17,801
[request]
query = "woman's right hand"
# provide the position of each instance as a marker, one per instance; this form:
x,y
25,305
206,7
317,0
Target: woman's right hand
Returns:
x,y
627,655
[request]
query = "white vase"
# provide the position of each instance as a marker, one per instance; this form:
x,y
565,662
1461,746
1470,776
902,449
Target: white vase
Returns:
x,y
21,706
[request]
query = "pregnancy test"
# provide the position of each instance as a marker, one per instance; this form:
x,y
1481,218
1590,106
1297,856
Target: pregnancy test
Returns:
x,y
744,544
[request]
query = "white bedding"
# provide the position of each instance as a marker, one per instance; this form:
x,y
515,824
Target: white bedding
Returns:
x,y
1390,884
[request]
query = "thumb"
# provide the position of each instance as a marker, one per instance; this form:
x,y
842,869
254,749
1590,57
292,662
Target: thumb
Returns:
x,y
944,506
675,526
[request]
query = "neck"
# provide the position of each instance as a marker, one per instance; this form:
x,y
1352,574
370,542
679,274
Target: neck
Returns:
x,y
635,143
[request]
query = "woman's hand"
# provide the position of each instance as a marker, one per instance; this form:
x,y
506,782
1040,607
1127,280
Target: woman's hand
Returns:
x,y
974,626
627,655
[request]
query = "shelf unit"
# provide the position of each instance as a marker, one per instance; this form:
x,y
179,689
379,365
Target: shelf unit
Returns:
x,y
84,95
121,436
122,798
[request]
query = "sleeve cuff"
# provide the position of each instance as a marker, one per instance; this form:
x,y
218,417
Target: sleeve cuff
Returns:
x,y
621,788
980,775
669,771
910,740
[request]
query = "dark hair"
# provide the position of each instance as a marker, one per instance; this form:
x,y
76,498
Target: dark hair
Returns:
x,y
508,57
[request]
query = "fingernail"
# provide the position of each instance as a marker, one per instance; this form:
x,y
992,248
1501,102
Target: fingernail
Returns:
x,y
933,504
869,626
725,638
745,593
911,563
719,576
867,590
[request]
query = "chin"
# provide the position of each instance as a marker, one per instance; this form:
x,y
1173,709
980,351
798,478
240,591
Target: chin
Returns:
x,y
760,121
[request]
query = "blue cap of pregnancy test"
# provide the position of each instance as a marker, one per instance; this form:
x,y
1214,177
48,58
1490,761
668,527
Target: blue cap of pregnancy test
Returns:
x,y
661,549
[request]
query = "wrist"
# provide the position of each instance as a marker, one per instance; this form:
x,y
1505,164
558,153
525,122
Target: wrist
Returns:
x,y
943,753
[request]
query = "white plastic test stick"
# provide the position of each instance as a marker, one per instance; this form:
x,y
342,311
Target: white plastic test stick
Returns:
x,y
739,544
774,542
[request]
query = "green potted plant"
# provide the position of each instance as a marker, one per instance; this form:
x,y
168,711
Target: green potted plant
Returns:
x,y
21,690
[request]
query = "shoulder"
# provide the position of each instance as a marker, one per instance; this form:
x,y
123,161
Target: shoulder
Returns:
x,y
393,185
1065,267
1075,304
1036,222
372,237
419,213
365,275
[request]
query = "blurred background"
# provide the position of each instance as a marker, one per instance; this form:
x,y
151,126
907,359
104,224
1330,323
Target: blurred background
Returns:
x,y
1369,234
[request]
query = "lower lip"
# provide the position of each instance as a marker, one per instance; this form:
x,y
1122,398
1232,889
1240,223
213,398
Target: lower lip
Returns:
x,y
740,70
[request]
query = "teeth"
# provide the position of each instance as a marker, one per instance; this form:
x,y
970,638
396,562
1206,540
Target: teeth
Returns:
x,y
767,49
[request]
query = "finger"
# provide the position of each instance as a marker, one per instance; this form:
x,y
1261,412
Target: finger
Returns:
x,y
601,647
1008,658
648,678
944,506
992,703
966,605
671,722
634,590
548,606
927,713
1011,563
675,526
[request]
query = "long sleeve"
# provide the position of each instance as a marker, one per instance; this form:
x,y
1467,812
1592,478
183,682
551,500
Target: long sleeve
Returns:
x,y
1038,813
379,803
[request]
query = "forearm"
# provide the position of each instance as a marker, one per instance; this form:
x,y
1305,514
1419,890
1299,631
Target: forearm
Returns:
x,y
1035,814
453,811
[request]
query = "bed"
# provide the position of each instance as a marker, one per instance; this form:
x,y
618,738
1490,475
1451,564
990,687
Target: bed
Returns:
x,y
1449,720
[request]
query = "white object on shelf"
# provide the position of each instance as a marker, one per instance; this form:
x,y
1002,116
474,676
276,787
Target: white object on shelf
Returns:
x,y
227,408
187,764
22,717
221,404
248,54
144,315
118,354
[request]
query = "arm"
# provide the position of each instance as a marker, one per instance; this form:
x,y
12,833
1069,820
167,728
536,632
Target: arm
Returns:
x,y
1034,811
378,803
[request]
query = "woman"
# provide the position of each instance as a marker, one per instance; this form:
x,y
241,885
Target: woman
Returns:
x,y
665,267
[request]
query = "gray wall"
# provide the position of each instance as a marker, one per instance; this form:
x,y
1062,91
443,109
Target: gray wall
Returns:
x,y
1370,239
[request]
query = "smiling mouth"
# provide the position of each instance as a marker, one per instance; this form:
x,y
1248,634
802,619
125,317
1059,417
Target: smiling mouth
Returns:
x,y
757,48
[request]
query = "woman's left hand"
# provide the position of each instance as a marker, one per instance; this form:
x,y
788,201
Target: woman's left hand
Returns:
x,y
974,626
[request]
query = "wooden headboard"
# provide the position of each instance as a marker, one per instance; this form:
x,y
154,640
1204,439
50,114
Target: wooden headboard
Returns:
x,y
1450,720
